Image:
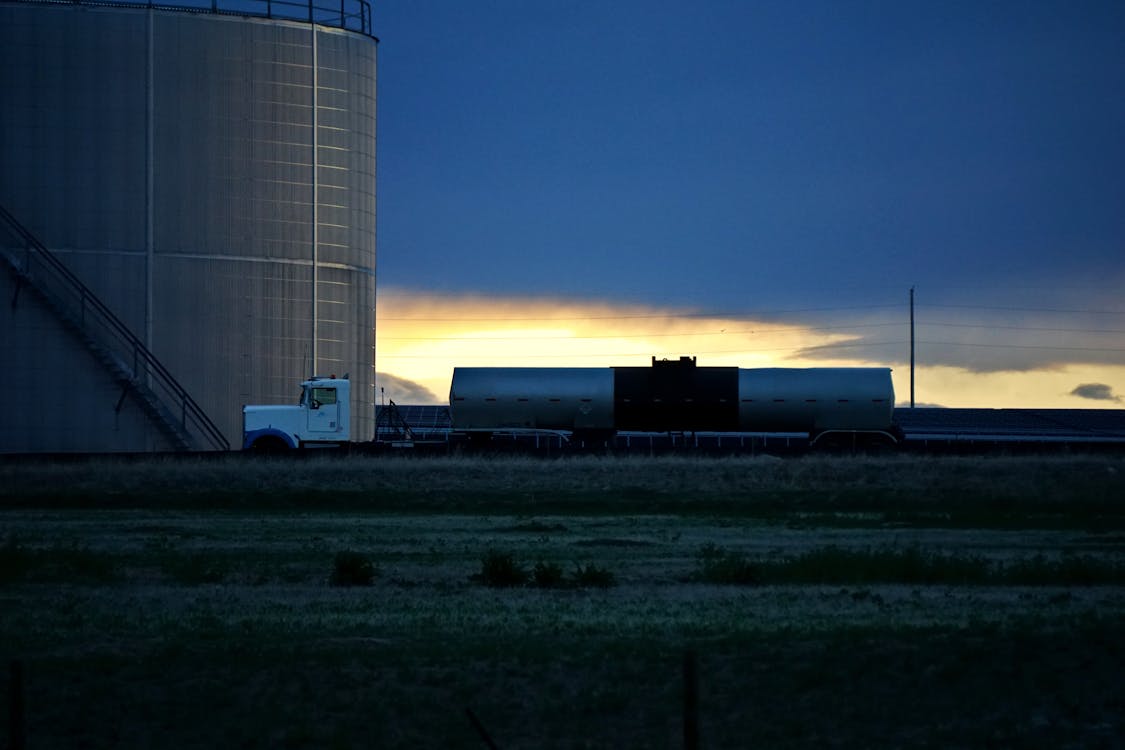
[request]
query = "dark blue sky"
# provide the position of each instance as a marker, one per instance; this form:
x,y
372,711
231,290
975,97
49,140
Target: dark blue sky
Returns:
x,y
749,156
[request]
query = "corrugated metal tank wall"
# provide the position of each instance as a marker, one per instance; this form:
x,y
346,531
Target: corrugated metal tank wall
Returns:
x,y
167,158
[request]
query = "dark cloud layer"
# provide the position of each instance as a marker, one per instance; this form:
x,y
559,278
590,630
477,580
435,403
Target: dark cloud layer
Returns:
x,y
1096,392
983,353
1033,329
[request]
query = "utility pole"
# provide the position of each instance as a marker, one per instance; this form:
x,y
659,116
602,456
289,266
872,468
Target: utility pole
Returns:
x,y
911,347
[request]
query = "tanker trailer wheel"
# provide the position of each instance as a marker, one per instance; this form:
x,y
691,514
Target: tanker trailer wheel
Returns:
x,y
591,439
479,441
834,442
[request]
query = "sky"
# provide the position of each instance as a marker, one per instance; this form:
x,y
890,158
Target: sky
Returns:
x,y
760,184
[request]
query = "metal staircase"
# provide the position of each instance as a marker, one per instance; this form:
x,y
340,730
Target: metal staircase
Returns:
x,y
134,368
391,427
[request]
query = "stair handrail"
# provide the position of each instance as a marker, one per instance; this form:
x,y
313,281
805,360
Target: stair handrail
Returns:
x,y
188,405
392,419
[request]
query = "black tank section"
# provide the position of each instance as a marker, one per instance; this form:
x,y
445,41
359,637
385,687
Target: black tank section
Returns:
x,y
676,396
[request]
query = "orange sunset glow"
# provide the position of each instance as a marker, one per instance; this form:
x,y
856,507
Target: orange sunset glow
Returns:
x,y
421,337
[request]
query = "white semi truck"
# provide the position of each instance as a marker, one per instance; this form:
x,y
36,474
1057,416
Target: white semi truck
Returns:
x,y
851,406
322,418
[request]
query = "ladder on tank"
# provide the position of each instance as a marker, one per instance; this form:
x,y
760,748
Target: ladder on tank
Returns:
x,y
134,368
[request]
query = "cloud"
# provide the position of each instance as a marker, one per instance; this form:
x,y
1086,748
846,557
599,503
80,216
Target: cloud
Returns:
x,y
1096,392
403,391
423,335
1034,332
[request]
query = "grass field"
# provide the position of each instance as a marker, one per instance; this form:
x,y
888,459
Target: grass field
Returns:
x,y
850,601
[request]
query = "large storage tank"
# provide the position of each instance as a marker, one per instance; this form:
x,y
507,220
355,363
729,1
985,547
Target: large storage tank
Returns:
x,y
210,177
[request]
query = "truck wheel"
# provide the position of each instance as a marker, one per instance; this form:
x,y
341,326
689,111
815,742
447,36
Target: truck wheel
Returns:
x,y
269,445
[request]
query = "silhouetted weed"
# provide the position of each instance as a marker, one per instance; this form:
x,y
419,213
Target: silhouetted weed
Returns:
x,y
352,569
548,575
500,570
717,565
591,575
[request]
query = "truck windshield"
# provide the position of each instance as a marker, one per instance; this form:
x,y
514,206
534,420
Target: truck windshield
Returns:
x,y
304,395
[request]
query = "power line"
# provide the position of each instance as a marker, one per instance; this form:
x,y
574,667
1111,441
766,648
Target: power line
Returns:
x,y
743,332
817,347
1026,309
646,353
1025,328
665,316
728,315
795,329
1025,346
636,335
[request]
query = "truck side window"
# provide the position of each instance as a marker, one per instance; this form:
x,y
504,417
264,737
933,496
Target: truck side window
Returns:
x,y
322,397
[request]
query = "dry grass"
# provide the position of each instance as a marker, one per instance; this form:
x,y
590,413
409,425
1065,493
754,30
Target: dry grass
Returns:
x,y
187,604
897,484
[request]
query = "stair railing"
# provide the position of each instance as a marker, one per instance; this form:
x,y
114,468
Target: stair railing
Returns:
x,y
43,268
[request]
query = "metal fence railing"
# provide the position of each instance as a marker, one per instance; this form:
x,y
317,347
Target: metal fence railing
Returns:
x,y
353,15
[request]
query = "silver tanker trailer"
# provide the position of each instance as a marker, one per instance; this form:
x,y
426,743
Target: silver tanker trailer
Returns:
x,y
829,404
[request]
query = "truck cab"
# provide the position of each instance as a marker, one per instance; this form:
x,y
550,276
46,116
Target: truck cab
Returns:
x,y
321,418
